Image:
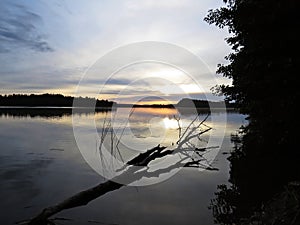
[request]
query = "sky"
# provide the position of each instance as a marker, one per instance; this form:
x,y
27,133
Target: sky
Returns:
x,y
49,46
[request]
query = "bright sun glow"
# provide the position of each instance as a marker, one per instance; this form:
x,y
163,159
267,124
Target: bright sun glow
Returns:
x,y
170,123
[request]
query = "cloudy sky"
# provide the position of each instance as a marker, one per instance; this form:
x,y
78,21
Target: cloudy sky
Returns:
x,y
48,46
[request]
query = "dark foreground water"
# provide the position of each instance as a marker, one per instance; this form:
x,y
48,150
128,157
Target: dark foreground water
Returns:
x,y
41,165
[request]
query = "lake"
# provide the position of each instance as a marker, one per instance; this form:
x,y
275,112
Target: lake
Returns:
x,y
41,165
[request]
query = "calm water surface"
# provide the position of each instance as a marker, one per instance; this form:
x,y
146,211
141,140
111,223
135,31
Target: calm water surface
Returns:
x,y
41,165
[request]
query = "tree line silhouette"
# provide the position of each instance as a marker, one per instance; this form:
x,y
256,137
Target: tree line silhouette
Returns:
x,y
59,100
263,66
187,102
50,100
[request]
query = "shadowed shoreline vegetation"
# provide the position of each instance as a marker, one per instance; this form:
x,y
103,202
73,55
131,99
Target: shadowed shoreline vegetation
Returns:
x,y
263,67
59,100
49,100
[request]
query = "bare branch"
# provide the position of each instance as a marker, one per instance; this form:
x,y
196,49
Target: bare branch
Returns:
x,y
137,167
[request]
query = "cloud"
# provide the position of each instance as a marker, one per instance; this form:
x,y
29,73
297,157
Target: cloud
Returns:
x,y
19,28
154,4
83,32
118,81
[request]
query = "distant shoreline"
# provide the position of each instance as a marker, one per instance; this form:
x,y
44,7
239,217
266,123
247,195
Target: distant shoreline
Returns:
x,y
114,107
58,101
37,111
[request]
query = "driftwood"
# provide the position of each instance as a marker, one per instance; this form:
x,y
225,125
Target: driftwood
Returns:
x,y
79,199
133,170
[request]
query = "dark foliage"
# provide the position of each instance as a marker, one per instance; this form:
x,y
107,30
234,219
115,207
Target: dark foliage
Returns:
x,y
263,69
49,100
186,102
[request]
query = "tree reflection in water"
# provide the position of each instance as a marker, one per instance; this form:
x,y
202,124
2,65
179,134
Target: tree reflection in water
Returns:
x,y
264,188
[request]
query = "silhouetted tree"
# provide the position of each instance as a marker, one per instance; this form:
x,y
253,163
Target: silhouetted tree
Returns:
x,y
49,100
263,69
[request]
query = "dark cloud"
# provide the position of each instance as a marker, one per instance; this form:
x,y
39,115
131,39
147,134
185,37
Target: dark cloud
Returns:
x,y
19,28
118,81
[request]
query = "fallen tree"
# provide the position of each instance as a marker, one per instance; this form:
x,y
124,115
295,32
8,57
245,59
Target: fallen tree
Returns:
x,y
135,169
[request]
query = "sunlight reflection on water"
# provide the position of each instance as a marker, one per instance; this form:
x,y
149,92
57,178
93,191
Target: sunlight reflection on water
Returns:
x,y
41,165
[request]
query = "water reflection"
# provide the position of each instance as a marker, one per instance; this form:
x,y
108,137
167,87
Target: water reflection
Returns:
x,y
264,187
47,112
125,132
33,176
